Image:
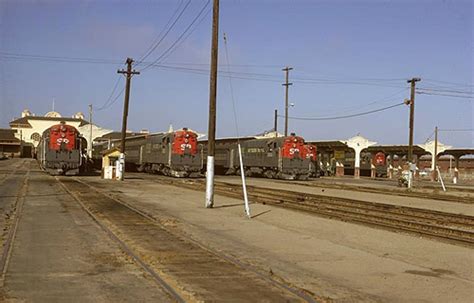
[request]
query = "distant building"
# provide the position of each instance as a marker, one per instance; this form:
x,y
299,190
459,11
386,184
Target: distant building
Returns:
x,y
9,143
29,128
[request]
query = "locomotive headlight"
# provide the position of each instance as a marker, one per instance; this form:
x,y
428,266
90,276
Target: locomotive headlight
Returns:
x,y
186,140
63,135
295,140
187,136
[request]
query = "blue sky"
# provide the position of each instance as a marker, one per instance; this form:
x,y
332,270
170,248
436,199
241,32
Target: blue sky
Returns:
x,y
348,57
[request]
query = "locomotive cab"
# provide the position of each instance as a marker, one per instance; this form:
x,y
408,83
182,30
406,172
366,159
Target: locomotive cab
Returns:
x,y
60,150
293,161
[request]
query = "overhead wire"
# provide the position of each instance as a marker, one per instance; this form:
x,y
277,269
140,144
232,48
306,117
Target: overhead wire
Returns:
x,y
386,99
179,38
231,87
189,34
429,137
444,90
42,58
155,45
444,95
302,80
457,130
447,82
345,116
111,101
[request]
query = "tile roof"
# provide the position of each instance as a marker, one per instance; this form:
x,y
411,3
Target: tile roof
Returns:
x,y
24,122
8,135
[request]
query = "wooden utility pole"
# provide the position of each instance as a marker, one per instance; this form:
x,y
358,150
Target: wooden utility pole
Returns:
x,y
412,117
211,136
275,127
286,84
90,132
128,73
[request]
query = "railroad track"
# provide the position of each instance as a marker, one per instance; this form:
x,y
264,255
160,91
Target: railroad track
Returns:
x,y
15,170
455,228
12,226
405,193
186,270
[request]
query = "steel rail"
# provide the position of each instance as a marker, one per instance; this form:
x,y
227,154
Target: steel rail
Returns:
x,y
433,196
166,287
12,172
296,291
8,245
393,217
417,213
391,222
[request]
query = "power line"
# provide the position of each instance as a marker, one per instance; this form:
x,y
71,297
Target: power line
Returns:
x,y
457,130
231,88
111,101
444,95
189,34
448,82
179,38
153,47
359,81
235,75
383,100
57,57
40,58
235,65
269,77
429,137
346,116
444,90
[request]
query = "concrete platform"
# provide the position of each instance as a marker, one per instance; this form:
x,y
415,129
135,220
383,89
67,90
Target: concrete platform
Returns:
x,y
59,254
445,206
339,261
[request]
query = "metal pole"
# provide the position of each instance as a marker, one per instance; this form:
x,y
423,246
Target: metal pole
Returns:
x,y
212,108
244,185
128,74
90,132
286,84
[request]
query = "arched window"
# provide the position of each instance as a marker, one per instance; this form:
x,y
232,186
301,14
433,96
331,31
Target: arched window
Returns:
x,y
36,137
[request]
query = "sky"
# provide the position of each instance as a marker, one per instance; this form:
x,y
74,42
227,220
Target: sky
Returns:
x,y
348,57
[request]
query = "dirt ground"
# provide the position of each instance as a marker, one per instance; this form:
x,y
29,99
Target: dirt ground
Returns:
x,y
341,261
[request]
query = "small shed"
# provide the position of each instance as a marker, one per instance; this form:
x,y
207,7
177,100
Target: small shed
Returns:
x,y
110,158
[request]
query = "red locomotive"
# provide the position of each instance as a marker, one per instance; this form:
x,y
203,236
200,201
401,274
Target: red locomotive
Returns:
x,y
380,163
280,158
60,150
311,153
173,154
185,142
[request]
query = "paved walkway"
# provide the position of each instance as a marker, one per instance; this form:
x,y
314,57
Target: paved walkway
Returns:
x,y
59,254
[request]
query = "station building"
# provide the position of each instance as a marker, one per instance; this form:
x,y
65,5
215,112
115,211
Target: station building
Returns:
x,y
355,157
28,129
